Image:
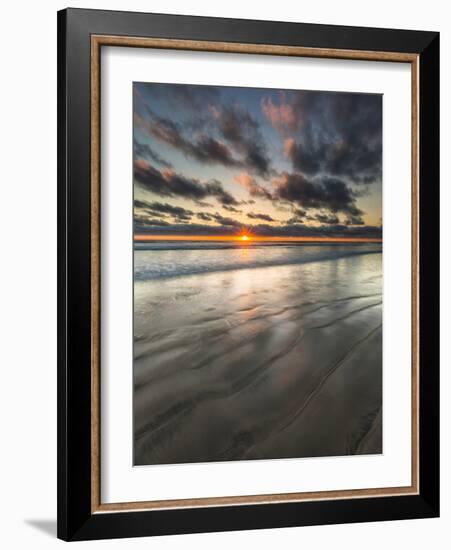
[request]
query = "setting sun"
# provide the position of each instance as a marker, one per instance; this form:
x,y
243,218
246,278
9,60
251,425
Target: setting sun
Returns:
x,y
244,238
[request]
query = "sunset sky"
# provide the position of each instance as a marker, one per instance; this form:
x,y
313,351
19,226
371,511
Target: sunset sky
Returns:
x,y
223,162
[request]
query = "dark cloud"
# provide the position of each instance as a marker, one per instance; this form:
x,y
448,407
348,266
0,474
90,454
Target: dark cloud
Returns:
x,y
355,220
328,219
229,222
187,96
204,216
299,213
204,149
215,189
258,216
327,193
195,98
164,209
144,224
339,134
264,230
243,146
208,150
331,231
140,204
302,230
298,216
181,215
169,184
242,132
190,102
141,150
254,189
231,209
219,219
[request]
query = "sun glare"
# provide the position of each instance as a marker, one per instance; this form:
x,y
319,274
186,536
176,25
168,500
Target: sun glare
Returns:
x,y
244,238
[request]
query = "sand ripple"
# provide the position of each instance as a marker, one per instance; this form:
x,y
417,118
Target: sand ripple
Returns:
x,y
275,362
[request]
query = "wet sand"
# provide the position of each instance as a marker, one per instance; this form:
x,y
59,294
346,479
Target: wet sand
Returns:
x,y
263,363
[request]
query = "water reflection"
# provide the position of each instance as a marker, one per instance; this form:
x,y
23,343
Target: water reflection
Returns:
x,y
259,363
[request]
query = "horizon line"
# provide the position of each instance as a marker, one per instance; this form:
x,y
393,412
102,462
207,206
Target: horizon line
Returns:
x,y
238,238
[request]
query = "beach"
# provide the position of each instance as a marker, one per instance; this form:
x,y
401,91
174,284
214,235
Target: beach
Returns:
x,y
256,351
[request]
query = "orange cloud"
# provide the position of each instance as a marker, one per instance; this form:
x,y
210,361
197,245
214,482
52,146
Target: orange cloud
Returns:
x,y
255,189
282,117
288,146
142,164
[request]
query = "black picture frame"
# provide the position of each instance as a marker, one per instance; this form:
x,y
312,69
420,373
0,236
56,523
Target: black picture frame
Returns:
x,y
76,520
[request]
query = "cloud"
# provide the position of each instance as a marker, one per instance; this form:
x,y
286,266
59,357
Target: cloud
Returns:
x,y
288,146
164,209
298,216
258,216
209,150
226,134
254,189
219,219
327,193
204,216
168,183
264,230
299,213
140,204
242,133
214,189
225,221
283,117
191,96
141,150
355,220
204,149
144,224
241,144
328,219
187,96
304,158
337,134
301,230
232,209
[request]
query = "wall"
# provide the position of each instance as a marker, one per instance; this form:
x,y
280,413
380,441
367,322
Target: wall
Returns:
x,y
28,274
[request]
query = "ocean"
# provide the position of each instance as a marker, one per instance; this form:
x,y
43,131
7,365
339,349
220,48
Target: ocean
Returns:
x,y
171,258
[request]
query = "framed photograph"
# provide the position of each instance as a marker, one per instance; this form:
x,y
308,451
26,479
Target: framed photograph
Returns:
x,y
248,274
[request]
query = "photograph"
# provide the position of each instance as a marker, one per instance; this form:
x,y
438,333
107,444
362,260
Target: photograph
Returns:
x,y
257,256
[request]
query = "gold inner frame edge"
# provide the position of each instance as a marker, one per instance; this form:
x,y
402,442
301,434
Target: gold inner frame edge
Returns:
x,y
97,41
